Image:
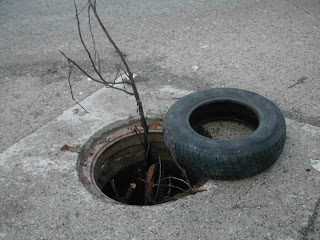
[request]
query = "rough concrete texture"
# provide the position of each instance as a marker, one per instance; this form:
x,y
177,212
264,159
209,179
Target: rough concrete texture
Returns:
x,y
42,197
265,46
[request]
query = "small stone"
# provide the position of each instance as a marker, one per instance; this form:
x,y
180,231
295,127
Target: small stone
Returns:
x,y
194,68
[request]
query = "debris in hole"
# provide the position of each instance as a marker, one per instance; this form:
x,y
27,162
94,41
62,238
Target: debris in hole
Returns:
x,y
146,189
131,188
150,176
122,176
114,189
70,148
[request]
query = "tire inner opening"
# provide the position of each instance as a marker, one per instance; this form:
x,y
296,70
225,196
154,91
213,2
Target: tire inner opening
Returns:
x,y
224,120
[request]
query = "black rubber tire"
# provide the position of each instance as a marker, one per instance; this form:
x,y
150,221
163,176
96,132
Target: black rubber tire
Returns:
x,y
225,159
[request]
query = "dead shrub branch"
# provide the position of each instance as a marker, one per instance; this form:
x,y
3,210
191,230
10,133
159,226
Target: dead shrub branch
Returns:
x,y
155,182
70,86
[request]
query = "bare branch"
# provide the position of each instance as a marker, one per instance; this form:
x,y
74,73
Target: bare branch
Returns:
x,y
118,75
80,68
94,9
148,145
122,67
108,85
114,189
96,53
169,191
164,185
159,179
83,8
136,130
172,186
120,89
175,178
84,45
174,158
124,71
70,86
130,74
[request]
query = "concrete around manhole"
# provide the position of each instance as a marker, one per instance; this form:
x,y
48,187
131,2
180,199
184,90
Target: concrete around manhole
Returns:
x,y
111,167
226,129
224,120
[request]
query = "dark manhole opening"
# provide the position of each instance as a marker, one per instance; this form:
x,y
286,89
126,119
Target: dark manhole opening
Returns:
x,y
113,168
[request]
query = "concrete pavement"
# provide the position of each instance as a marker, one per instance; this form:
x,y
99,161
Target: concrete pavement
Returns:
x,y
42,197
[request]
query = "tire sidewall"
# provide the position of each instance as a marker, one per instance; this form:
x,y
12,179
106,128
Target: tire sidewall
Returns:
x,y
271,122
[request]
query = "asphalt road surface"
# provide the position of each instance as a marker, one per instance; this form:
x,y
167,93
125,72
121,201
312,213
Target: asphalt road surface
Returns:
x,y
264,46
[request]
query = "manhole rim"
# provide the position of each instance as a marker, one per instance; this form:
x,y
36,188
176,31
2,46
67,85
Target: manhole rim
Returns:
x,y
99,142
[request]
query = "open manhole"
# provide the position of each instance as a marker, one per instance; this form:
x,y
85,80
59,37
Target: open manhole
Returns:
x,y
111,167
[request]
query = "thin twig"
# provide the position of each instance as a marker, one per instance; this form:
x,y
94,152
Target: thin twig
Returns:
x,y
159,179
92,78
169,190
118,74
173,186
175,178
70,86
164,185
124,71
85,46
148,147
114,189
94,9
174,158
120,89
301,80
136,130
149,183
96,53
83,8
80,68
